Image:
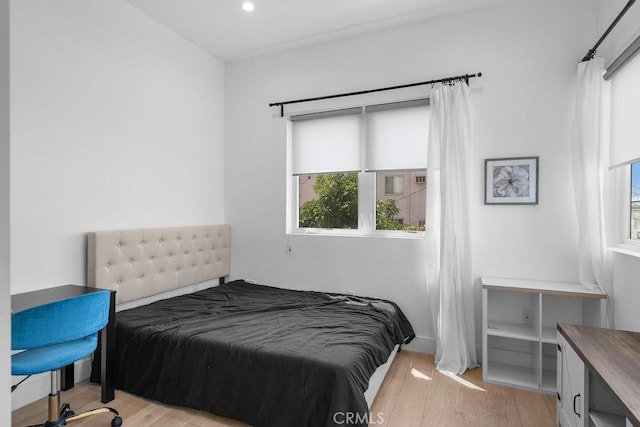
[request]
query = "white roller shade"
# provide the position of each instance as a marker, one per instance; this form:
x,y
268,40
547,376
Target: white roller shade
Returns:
x,y
397,138
328,144
625,114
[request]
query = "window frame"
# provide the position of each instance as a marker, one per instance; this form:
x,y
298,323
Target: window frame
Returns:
x,y
629,239
366,213
367,194
620,173
621,185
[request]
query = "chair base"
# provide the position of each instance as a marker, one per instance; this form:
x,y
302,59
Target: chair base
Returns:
x,y
64,415
115,422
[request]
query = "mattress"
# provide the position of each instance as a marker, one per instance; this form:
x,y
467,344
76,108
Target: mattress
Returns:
x,y
262,355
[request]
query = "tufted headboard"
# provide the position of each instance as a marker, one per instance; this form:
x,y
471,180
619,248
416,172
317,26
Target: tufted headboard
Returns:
x,y
147,262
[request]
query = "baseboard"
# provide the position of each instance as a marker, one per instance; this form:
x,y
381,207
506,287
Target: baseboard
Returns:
x,y
428,345
422,345
39,386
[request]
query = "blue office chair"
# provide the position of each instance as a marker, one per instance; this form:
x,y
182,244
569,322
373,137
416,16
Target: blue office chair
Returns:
x,y
55,335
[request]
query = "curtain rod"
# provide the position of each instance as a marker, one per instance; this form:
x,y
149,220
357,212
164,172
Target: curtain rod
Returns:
x,y
464,77
592,52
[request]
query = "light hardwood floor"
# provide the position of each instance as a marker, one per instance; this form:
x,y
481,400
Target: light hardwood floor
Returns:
x,y
413,394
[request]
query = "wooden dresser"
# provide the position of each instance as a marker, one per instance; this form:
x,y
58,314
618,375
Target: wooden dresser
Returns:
x,y
598,376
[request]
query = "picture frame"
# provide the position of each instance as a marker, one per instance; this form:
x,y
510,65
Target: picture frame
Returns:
x,y
511,181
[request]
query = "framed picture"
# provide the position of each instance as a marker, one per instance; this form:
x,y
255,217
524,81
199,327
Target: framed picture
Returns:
x,y
511,181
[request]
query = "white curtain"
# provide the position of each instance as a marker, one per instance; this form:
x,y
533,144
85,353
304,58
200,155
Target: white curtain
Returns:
x,y
589,151
449,276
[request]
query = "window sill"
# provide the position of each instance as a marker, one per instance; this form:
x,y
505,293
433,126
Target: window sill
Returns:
x,y
350,233
631,250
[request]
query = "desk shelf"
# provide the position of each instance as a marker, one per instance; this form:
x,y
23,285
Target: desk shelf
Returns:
x,y
603,419
519,328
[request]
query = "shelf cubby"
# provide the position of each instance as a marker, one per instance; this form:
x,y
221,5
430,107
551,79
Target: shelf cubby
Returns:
x,y
519,328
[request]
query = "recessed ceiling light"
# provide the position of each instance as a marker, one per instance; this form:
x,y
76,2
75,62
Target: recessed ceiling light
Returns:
x,y
248,6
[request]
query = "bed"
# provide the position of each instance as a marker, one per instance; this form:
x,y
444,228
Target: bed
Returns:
x,y
259,354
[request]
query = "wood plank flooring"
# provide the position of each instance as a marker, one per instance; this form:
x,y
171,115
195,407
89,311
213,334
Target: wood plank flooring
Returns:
x,y
412,394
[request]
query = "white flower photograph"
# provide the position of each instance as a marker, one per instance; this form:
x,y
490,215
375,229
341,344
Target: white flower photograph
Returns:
x,y
511,181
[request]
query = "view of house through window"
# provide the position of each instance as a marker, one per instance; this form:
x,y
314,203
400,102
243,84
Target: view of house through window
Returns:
x,y
635,201
330,200
404,208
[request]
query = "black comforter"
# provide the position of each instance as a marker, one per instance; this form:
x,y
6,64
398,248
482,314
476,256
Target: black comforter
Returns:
x,y
263,355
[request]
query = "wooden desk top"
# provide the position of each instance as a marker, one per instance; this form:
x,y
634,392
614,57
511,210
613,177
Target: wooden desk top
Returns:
x,y
614,356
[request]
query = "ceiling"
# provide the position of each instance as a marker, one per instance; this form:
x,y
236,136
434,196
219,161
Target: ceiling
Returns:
x,y
223,29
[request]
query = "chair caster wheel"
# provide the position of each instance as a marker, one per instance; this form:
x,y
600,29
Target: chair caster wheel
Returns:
x,y
65,411
116,422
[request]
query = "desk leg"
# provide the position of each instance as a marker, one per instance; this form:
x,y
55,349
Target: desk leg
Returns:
x,y
107,354
67,379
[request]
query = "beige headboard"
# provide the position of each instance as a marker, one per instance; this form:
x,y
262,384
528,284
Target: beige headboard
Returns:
x,y
146,262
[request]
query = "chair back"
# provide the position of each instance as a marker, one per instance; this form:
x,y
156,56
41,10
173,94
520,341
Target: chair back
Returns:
x,y
60,321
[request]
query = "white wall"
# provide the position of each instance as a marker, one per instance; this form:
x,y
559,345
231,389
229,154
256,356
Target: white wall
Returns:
x,y
117,123
527,52
626,292
5,305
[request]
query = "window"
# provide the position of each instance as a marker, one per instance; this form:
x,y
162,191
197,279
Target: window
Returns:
x,y
356,170
635,202
410,201
421,179
624,153
394,184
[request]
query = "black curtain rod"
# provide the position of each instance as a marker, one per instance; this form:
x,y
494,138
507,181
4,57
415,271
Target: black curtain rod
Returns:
x,y
464,77
592,52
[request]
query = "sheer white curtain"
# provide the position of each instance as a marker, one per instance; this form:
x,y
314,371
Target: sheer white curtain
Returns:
x,y
589,150
449,277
